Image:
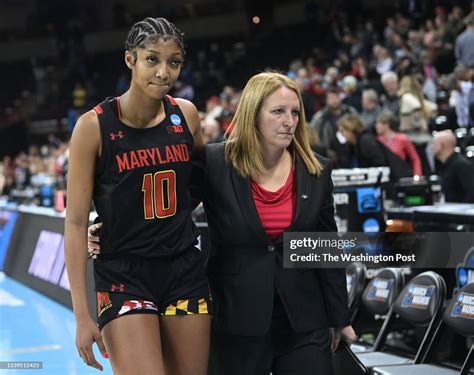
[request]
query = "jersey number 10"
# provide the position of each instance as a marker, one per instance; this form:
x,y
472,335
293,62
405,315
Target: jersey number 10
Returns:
x,y
159,194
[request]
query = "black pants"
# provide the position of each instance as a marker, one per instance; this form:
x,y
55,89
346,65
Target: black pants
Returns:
x,y
280,351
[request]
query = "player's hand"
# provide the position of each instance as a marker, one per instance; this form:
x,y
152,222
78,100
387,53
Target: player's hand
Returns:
x,y
345,333
93,240
86,334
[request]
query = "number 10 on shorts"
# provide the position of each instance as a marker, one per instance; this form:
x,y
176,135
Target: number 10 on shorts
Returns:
x,y
159,194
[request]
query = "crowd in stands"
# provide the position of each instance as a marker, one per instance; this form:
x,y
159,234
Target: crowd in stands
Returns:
x,y
375,96
23,176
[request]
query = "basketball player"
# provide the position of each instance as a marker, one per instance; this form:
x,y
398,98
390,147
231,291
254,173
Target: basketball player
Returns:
x,y
131,154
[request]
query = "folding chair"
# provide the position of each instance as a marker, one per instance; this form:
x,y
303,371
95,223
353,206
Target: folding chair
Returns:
x,y
379,295
458,316
421,304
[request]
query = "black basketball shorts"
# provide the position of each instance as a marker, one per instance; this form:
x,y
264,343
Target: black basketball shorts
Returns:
x,y
166,286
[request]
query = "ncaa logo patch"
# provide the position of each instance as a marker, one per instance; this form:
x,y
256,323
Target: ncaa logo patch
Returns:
x,y
175,119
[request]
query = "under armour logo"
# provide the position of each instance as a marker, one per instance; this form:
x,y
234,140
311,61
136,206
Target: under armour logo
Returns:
x,y
304,196
119,287
115,135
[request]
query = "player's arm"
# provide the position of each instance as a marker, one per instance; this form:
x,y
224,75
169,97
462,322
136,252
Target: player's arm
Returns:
x,y
196,187
84,148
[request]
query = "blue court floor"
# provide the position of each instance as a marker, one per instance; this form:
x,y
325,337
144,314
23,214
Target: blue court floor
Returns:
x,y
35,328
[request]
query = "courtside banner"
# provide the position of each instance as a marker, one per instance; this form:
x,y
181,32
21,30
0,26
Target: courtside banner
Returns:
x,y
377,249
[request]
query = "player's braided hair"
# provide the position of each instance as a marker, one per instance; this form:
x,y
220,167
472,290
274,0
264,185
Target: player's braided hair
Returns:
x,y
152,28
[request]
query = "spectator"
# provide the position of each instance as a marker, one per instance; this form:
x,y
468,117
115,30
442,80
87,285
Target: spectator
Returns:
x,y
445,59
8,167
414,41
316,89
454,26
331,79
214,107
211,131
384,60
464,48
8,184
309,99
429,72
460,96
390,99
358,66
405,66
400,48
343,62
352,95
8,175
60,160
399,145
431,35
457,173
415,110
367,151
325,124
370,109
22,172
315,143
311,66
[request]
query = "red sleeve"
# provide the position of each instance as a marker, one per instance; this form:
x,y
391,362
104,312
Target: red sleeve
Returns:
x,y
414,158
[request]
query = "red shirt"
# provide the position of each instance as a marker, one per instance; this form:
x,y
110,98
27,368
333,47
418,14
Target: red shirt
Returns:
x,y
276,209
401,146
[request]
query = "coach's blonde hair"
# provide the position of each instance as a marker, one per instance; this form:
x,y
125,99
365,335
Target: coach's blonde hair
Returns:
x,y
243,149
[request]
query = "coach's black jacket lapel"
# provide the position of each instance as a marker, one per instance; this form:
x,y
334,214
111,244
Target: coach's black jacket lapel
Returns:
x,y
243,192
306,184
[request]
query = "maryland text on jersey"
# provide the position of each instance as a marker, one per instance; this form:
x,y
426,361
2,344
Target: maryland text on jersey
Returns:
x,y
152,156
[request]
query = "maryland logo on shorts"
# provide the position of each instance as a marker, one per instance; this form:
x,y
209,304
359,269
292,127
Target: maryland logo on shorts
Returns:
x,y
103,302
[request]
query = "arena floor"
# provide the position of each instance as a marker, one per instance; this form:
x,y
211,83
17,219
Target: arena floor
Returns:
x,y
35,328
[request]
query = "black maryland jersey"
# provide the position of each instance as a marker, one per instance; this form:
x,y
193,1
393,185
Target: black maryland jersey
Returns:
x,y
141,184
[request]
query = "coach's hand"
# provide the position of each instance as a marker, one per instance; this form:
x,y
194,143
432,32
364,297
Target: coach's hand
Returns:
x,y
93,240
343,333
86,334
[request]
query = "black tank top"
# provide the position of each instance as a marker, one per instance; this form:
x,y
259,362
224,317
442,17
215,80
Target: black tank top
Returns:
x,y
141,184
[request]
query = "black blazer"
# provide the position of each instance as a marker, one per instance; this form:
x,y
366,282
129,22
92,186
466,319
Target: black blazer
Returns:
x,y
245,265
369,151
